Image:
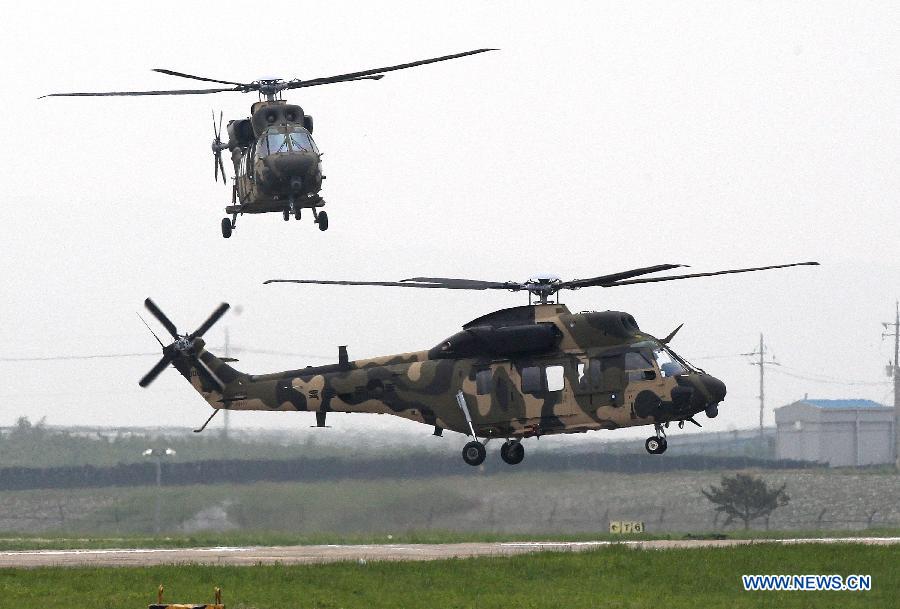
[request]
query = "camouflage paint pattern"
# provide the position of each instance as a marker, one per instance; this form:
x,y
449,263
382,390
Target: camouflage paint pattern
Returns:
x,y
608,368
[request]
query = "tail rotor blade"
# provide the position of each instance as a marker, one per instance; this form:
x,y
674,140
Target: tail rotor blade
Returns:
x,y
210,375
216,315
156,370
161,317
221,167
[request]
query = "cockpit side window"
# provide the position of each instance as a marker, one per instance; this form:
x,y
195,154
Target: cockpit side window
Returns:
x,y
638,367
669,364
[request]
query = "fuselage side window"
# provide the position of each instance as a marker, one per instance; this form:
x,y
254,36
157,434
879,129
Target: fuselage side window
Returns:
x,y
556,378
582,372
532,379
484,382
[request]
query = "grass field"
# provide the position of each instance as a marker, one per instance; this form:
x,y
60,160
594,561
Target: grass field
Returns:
x,y
614,577
516,502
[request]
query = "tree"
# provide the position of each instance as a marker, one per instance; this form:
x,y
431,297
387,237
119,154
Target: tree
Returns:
x,y
744,497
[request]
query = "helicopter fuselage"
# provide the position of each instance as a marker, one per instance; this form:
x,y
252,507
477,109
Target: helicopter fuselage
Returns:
x,y
520,372
277,165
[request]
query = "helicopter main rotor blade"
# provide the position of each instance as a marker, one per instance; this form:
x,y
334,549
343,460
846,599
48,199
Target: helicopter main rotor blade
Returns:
x,y
203,78
210,321
137,93
467,284
615,277
161,317
692,275
376,71
308,83
390,284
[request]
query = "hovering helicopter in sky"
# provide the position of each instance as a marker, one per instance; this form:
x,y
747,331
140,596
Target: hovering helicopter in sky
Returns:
x,y
277,165
516,373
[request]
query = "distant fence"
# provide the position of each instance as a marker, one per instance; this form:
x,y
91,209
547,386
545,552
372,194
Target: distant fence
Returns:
x,y
315,469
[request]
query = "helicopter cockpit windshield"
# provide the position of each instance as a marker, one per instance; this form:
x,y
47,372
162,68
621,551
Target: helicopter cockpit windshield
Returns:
x,y
670,364
275,142
302,142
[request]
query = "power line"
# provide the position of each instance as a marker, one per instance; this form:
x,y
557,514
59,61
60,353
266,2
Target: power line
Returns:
x,y
275,352
828,381
53,358
50,358
817,378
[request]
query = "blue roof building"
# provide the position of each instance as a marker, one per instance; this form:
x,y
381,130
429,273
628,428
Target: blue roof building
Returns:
x,y
842,433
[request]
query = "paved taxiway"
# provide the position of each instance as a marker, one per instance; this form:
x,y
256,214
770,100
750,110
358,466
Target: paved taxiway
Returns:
x,y
335,553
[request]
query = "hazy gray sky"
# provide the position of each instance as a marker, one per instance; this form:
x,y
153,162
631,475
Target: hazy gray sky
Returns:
x,y
603,136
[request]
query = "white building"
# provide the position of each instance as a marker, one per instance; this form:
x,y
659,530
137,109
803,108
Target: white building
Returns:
x,y
837,432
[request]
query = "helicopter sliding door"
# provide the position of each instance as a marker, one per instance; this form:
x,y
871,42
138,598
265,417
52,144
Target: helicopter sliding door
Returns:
x,y
602,380
528,398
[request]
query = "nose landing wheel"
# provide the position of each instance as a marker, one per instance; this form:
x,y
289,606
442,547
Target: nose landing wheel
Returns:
x,y
657,445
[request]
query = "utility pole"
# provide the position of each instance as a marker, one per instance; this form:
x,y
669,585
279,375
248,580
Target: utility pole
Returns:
x,y
227,355
894,372
762,362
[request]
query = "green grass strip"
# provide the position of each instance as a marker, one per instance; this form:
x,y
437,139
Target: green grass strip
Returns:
x,y
614,577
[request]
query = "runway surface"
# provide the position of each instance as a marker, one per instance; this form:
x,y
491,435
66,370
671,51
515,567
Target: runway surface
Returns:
x,y
335,553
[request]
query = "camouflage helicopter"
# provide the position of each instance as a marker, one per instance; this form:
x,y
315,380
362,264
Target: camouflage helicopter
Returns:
x,y
516,373
277,165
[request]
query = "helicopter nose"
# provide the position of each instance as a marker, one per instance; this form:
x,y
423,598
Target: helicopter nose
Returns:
x,y
715,387
292,164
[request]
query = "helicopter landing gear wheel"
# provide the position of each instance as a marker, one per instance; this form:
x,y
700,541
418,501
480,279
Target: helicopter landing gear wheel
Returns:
x,y
712,411
512,452
474,453
226,228
297,213
322,220
656,445
286,214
